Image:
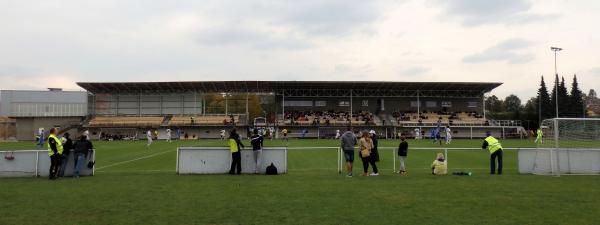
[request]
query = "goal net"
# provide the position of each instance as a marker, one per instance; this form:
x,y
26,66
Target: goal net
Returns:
x,y
568,146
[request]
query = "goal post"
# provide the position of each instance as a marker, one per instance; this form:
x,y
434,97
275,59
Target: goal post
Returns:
x,y
568,146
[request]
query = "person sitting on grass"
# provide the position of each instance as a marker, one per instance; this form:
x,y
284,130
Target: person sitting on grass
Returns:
x,y
439,166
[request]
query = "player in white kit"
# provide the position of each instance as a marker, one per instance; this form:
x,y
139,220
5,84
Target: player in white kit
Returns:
x,y
168,134
149,137
417,133
337,134
448,135
86,133
223,134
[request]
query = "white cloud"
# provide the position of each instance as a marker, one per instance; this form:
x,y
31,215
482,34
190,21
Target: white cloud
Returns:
x,y
385,40
478,12
415,70
506,51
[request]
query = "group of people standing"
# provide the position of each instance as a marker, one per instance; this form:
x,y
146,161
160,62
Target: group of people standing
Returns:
x,y
368,151
59,150
235,146
370,156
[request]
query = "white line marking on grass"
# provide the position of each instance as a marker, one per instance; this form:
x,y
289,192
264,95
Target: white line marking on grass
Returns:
x,y
133,160
384,169
136,171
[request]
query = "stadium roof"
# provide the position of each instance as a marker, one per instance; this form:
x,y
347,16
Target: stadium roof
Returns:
x,y
279,86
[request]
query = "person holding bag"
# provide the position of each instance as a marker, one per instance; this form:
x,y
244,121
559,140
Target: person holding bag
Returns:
x,y
365,146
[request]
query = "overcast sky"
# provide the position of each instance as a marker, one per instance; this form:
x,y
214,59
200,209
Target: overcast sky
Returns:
x,y
57,43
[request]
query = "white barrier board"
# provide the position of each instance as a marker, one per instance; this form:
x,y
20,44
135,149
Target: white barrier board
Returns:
x,y
217,160
567,161
32,163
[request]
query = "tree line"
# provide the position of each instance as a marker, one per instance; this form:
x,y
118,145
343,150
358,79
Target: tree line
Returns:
x,y
571,103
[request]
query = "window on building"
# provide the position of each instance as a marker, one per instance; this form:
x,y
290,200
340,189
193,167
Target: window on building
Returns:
x,y
431,104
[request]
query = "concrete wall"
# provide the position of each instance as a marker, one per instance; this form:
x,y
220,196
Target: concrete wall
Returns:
x,y
27,127
217,160
28,163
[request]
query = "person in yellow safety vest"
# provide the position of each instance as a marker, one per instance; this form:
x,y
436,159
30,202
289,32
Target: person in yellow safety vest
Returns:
x,y
493,145
55,151
235,145
540,135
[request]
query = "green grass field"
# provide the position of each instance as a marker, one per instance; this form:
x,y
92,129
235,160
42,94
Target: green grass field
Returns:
x,y
147,191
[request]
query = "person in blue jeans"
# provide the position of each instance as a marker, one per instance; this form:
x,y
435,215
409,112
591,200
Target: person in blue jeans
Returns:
x,y
81,149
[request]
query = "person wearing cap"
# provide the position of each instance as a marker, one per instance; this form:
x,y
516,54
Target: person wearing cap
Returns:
x,y
374,153
493,145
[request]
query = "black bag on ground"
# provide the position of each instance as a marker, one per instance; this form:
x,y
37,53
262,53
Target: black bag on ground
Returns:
x,y
90,164
271,170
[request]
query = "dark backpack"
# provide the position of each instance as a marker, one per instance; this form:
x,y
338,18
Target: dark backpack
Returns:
x,y
271,170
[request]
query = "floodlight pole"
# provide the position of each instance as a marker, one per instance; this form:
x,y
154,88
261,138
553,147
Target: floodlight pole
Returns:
x,y
556,50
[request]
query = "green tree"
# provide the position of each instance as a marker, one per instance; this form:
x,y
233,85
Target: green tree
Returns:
x,y
512,103
544,101
564,102
494,104
577,106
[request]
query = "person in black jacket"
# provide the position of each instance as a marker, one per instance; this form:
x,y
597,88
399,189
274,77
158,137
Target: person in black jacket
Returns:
x,y
257,144
374,154
402,154
81,149
67,146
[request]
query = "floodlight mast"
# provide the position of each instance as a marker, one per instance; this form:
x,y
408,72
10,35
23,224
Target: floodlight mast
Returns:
x,y
556,50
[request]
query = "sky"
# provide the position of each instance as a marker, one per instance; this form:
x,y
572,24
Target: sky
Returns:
x,y
57,43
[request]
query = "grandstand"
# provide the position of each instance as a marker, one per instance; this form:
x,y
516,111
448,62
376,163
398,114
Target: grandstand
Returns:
x,y
311,109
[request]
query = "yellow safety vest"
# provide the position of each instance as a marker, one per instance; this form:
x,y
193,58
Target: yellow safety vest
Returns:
x,y
59,145
493,144
233,146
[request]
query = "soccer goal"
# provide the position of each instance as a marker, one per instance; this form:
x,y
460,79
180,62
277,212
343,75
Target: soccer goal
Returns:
x,y
569,146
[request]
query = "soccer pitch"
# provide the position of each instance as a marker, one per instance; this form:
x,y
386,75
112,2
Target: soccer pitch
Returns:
x,y
138,186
